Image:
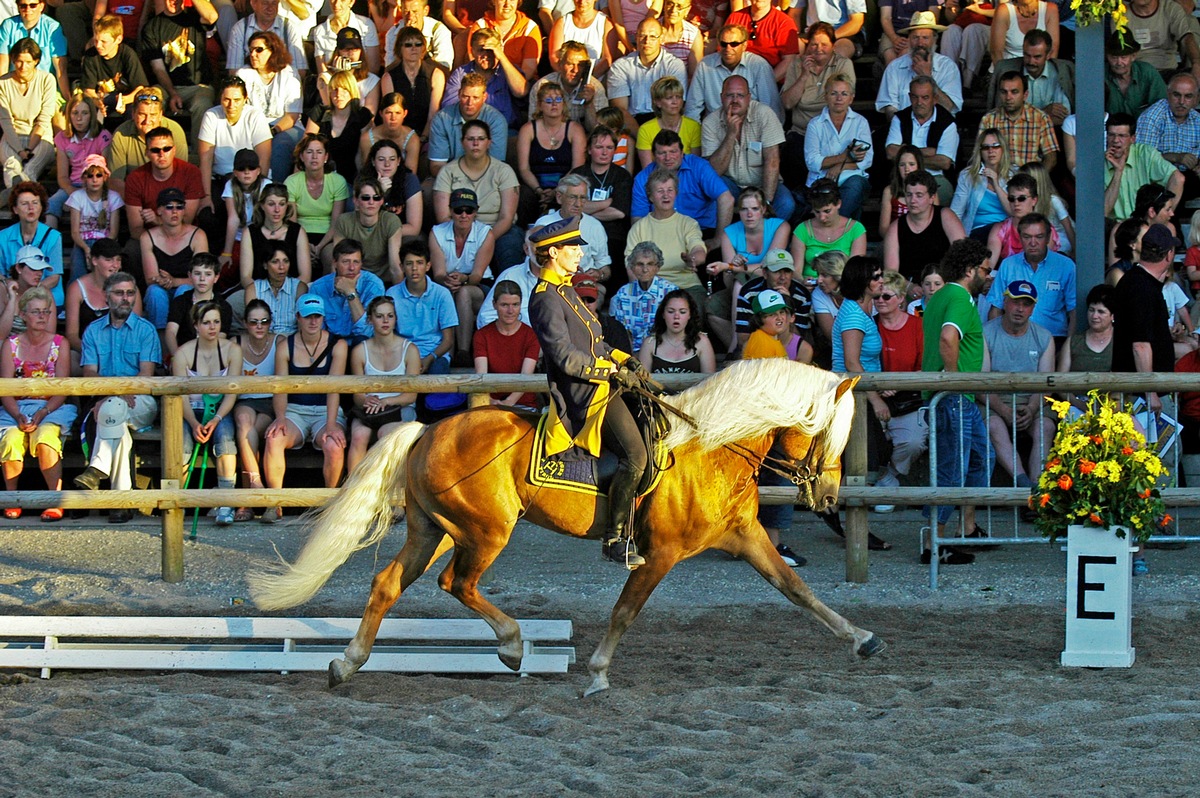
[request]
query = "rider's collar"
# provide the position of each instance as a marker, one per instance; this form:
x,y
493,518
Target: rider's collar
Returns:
x,y
555,278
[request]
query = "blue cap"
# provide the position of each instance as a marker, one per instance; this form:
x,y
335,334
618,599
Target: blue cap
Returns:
x,y
1021,289
310,305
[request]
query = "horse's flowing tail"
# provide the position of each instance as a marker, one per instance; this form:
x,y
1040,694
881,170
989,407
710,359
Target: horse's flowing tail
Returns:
x,y
359,516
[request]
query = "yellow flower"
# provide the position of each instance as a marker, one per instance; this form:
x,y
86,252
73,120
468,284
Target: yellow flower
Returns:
x,y
1061,408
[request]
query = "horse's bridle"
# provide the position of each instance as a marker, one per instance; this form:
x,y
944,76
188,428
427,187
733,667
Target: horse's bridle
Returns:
x,y
800,473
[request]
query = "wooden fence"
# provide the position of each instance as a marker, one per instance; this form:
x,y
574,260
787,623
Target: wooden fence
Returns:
x,y
173,501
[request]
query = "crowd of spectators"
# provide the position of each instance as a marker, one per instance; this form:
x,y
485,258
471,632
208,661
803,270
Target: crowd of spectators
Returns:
x,y
306,187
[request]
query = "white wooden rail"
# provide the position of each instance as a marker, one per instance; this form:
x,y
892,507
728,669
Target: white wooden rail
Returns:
x,y
269,644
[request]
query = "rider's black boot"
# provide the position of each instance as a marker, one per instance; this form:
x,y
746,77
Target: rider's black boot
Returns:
x,y
618,541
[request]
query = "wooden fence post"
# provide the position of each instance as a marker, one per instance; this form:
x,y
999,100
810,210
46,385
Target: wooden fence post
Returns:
x,y
172,469
855,461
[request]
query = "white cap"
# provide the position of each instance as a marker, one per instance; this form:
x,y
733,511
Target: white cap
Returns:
x,y
112,417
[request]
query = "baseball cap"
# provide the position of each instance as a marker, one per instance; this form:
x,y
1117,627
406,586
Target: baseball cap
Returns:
x,y
168,195
246,159
1159,236
112,417
768,301
97,161
310,305
464,198
585,286
1021,289
348,38
33,258
778,259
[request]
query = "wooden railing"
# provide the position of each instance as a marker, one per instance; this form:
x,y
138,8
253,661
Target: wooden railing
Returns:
x,y
172,501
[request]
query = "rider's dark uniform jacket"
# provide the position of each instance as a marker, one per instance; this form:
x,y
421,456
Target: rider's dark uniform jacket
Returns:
x,y
578,364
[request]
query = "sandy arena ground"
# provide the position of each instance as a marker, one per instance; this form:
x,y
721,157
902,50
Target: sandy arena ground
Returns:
x,y
720,689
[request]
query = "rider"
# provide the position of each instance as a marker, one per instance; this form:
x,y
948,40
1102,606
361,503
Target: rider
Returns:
x,y
580,367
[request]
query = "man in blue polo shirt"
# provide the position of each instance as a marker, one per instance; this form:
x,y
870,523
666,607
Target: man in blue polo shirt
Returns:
x,y
703,195
425,315
347,292
1052,274
119,345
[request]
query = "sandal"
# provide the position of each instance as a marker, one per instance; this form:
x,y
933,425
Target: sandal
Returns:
x,y
243,514
13,513
272,515
52,515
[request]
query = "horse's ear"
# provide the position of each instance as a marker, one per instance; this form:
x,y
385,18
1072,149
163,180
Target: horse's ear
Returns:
x,y
845,385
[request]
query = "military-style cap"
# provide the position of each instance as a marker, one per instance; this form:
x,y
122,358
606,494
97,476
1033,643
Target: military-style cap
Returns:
x,y
562,233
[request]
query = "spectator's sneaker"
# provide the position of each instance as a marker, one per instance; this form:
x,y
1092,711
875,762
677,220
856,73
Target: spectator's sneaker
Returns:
x,y
948,556
888,480
120,516
224,516
1140,568
790,558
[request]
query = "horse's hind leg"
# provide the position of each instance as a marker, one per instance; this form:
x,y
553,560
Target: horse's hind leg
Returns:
x,y
637,590
425,543
476,550
757,550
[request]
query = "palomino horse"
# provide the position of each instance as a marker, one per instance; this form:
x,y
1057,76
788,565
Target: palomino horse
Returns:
x,y
463,485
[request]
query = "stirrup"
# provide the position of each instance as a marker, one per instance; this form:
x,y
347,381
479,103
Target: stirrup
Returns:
x,y
622,551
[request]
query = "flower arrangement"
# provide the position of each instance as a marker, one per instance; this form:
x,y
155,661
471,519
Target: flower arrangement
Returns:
x,y
1090,11
1100,473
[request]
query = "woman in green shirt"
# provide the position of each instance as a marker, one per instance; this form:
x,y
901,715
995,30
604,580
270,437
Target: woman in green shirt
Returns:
x,y
318,194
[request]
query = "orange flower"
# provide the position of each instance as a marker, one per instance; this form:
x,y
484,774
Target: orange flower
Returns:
x,y
1086,466
1096,439
1095,519
1045,499
1055,463
1065,482
1127,451
1166,519
1144,494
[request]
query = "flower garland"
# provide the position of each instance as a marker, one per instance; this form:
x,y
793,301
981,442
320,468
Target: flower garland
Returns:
x,y
1100,473
1090,11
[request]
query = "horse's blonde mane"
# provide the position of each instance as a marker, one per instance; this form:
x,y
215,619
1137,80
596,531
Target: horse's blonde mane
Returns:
x,y
753,397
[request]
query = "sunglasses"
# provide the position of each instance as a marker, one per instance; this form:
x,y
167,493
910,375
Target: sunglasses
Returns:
x,y
160,150
258,322
588,300
93,174
463,211
1017,197
148,98
173,206
552,100
370,198
990,146
886,296
414,44
258,49
27,6
877,276
733,44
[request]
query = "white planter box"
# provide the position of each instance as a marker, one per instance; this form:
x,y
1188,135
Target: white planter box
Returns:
x,y
1099,599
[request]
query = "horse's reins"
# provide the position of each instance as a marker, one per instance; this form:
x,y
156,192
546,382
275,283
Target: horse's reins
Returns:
x,y
799,472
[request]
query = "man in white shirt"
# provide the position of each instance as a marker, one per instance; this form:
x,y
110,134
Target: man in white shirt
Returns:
x,y
920,60
732,58
929,127
630,78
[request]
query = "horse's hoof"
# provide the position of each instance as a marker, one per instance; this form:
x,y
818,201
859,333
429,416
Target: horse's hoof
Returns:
x,y
599,685
339,671
870,647
511,660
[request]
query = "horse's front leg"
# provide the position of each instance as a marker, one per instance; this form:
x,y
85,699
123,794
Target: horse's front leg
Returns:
x,y
755,548
637,590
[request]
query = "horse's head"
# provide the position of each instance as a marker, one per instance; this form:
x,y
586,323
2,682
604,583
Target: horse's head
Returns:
x,y
817,460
